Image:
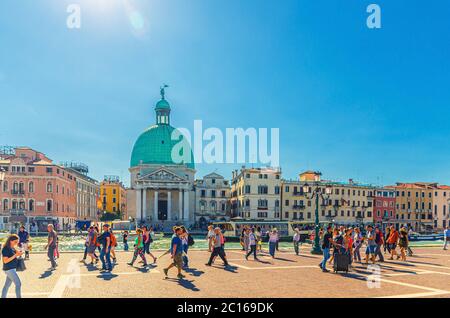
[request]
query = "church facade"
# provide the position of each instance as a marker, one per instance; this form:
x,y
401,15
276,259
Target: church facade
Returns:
x,y
162,191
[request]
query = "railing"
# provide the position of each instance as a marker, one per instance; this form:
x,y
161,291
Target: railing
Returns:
x,y
17,211
17,192
298,207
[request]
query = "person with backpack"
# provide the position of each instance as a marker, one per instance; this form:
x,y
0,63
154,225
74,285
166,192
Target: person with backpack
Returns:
x,y
379,241
139,249
51,245
147,238
113,246
185,246
252,244
105,253
327,242
10,263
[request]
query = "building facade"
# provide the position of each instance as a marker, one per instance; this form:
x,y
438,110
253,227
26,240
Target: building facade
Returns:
x,y
212,201
113,196
348,203
256,193
441,206
87,192
414,205
36,192
162,187
384,207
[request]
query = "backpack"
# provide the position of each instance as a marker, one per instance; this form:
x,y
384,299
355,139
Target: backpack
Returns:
x,y
190,240
101,239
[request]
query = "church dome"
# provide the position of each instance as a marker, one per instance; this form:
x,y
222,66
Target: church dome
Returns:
x,y
155,144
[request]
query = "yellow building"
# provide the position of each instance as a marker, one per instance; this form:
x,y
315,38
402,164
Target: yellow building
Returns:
x,y
113,198
347,203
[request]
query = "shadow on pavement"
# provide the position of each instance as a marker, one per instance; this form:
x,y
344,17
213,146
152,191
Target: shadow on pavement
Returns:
x,y
107,276
46,274
188,284
194,272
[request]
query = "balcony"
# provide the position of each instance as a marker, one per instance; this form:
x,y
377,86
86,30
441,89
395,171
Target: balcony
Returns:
x,y
298,193
17,212
18,192
298,207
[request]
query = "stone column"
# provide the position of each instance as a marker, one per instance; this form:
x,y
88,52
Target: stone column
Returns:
x,y
144,204
155,208
138,204
180,204
186,206
169,206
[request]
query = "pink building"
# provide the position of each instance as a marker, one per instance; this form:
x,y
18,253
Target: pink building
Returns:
x,y
384,207
34,191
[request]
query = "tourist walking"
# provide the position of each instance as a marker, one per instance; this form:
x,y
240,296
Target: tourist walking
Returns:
x,y
51,245
252,244
177,254
105,253
209,238
139,248
10,262
185,244
326,245
24,240
348,244
296,241
125,241
371,244
273,241
113,246
246,239
392,241
258,235
379,240
357,242
403,243
446,237
385,239
218,248
148,240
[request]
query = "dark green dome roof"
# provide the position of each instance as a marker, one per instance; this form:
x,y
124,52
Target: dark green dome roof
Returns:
x,y
154,146
162,104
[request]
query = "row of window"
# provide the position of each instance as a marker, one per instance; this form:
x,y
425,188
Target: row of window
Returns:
x,y
422,194
203,193
21,205
19,187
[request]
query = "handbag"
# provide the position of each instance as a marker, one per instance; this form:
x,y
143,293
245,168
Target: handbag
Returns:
x,y
20,265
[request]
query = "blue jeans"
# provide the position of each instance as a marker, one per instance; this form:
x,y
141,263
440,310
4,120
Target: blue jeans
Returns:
x,y
105,257
185,258
12,277
125,246
272,247
326,256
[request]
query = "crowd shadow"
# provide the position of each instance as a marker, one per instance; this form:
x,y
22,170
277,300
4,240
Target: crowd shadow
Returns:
x,y
107,276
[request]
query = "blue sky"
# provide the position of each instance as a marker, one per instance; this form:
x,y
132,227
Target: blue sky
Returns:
x,y
372,105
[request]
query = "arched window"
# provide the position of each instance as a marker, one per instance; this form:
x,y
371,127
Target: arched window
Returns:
x,y
31,187
49,187
49,205
21,187
213,205
14,205
202,205
21,205
5,186
5,204
31,205
15,186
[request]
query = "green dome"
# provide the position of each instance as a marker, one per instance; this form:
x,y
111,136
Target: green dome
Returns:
x,y
154,146
162,104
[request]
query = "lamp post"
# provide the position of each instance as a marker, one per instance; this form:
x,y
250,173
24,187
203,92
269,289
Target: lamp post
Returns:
x,y
316,193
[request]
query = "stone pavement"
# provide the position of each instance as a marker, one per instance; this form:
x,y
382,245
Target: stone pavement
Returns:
x,y
427,274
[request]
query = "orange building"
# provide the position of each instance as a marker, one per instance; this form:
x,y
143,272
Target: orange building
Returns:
x,y
113,196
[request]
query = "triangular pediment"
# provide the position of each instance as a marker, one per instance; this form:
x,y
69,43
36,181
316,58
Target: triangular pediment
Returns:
x,y
213,175
162,175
